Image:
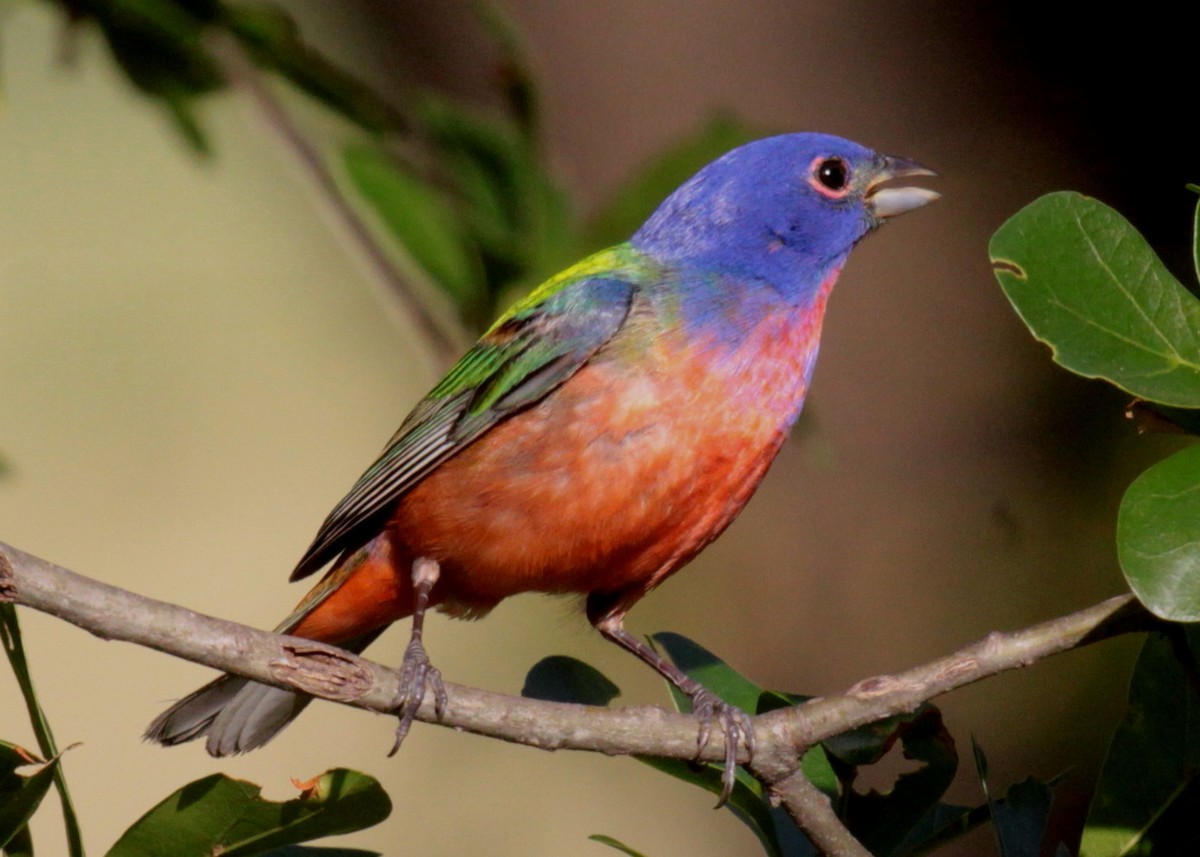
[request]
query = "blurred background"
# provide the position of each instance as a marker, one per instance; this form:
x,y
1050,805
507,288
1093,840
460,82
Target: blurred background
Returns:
x,y
194,366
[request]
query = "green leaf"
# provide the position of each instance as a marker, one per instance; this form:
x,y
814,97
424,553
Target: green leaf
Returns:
x,y
21,845
944,823
1158,537
1174,832
559,678
712,672
747,802
10,638
160,46
1154,756
1089,286
20,796
309,851
220,815
1196,233
1020,818
613,843
1161,419
820,772
420,221
641,194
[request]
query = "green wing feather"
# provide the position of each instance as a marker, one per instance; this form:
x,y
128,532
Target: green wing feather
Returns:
x,y
532,349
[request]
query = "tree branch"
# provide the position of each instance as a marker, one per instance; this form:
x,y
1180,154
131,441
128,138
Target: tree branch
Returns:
x,y
331,673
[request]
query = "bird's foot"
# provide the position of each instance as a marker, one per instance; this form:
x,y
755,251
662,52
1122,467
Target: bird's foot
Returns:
x,y
734,724
416,673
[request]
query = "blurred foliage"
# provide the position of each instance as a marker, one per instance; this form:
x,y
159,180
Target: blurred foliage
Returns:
x,y
463,191
166,50
1089,286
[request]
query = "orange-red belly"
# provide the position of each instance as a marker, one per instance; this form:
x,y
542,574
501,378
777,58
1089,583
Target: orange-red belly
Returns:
x,y
608,485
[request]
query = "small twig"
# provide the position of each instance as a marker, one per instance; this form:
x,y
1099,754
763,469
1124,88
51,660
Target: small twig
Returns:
x,y
333,673
813,813
445,337
885,696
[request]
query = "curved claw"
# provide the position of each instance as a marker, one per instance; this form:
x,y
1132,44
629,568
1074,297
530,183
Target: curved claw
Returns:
x,y
416,672
736,727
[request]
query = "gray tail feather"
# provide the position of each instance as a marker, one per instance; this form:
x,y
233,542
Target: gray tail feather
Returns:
x,y
237,714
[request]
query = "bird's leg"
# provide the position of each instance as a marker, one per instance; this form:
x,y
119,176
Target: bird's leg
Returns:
x,y
734,723
416,671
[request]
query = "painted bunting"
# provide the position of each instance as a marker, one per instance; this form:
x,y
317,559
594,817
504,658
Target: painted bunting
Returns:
x,y
598,436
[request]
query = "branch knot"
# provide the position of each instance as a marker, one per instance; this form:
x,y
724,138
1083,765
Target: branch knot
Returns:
x,y
322,671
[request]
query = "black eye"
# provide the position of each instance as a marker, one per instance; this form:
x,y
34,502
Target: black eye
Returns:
x,y
833,173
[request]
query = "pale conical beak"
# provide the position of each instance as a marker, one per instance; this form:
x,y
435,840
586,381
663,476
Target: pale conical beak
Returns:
x,y
887,202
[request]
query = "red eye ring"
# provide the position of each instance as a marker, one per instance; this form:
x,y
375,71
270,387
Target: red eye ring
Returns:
x,y
829,176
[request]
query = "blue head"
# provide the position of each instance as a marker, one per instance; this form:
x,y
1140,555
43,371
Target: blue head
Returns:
x,y
781,212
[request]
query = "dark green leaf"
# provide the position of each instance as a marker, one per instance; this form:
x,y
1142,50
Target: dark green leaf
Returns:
x,y
20,796
1174,832
649,186
774,828
772,700
311,851
1088,285
218,814
613,843
1196,234
10,638
1158,536
1020,818
1152,417
712,672
158,44
1154,755
21,845
981,766
820,772
944,823
883,821
559,678
869,743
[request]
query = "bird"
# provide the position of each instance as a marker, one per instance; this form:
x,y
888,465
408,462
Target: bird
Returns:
x,y
598,436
